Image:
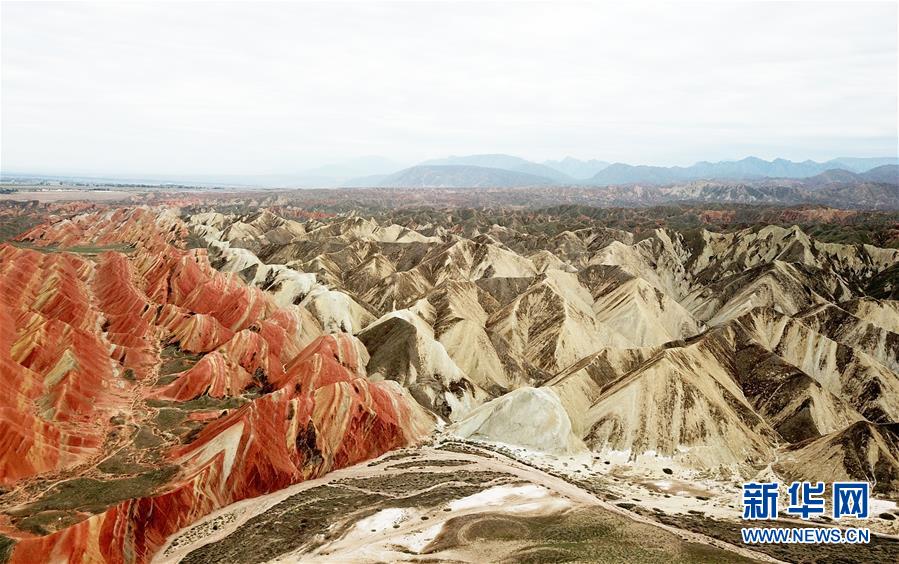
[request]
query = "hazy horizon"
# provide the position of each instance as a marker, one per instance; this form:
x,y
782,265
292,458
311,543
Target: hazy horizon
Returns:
x,y
268,89
209,176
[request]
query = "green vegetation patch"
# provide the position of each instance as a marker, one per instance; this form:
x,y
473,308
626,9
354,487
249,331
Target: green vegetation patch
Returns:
x,y
175,360
880,549
202,403
48,522
169,418
118,464
580,535
77,249
92,495
430,463
6,546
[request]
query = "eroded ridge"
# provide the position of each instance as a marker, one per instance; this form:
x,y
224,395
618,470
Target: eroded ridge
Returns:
x,y
146,389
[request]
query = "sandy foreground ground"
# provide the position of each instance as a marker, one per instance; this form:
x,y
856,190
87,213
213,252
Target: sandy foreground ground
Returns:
x,y
419,504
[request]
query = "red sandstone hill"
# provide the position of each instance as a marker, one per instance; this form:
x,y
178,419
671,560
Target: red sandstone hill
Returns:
x,y
142,389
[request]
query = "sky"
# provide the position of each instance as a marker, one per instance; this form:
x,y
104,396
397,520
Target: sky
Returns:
x,y
241,88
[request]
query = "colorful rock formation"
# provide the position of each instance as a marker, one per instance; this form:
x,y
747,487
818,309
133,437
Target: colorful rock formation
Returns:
x,y
98,345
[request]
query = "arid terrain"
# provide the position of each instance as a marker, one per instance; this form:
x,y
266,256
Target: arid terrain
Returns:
x,y
445,375
449,282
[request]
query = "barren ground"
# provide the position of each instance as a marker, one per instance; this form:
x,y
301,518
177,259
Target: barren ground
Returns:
x,y
463,502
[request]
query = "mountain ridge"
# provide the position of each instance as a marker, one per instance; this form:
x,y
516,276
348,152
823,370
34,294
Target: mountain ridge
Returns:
x,y
460,176
748,168
373,171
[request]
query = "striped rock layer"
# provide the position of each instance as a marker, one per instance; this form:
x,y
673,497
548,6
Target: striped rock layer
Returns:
x,y
83,338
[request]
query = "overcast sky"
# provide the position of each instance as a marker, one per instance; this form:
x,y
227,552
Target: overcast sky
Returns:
x,y
273,88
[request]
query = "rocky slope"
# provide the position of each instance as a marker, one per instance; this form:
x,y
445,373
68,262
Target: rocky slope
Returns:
x,y
671,344
144,389
141,375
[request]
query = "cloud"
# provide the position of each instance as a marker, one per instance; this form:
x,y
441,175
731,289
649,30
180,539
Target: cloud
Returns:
x,y
263,88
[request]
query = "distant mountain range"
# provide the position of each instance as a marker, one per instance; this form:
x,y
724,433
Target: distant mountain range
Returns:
x,y
449,176
506,162
507,170
885,173
745,169
577,168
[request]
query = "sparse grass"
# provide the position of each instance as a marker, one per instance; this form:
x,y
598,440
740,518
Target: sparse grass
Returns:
x,y
146,439
194,241
885,285
430,463
175,360
93,496
169,418
47,522
12,227
586,534
6,546
166,380
878,550
202,403
77,249
118,464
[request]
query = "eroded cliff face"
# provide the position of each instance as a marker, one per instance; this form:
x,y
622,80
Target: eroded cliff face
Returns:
x,y
147,384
